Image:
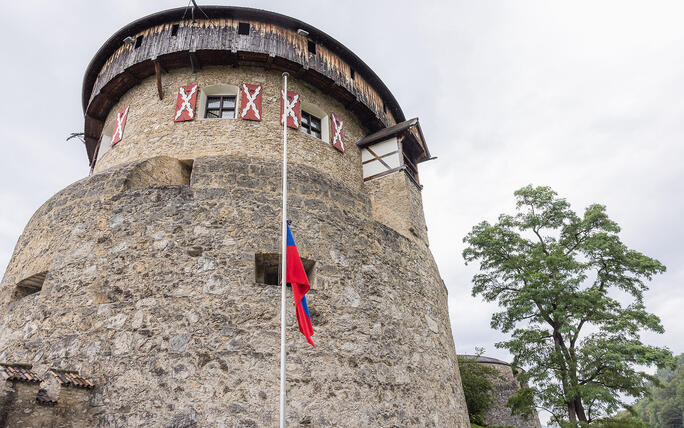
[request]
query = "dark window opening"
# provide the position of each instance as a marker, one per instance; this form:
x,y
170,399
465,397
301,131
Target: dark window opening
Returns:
x,y
311,47
174,30
31,285
384,108
267,268
138,41
222,106
243,28
352,73
311,124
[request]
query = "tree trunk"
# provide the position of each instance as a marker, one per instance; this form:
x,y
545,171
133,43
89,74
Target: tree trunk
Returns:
x,y
579,409
572,416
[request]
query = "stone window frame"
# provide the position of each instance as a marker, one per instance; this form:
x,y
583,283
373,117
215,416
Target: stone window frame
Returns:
x,y
219,89
309,124
222,100
318,113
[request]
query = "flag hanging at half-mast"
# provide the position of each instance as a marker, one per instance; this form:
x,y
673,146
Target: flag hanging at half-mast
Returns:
x,y
296,276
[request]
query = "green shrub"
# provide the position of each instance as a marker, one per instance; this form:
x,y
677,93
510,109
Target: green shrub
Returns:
x,y
477,388
619,422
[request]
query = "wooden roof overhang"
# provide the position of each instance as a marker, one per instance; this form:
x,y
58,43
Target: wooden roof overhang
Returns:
x,y
272,43
413,142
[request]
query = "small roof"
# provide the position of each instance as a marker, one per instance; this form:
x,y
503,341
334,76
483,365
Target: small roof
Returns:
x,y
71,378
486,360
18,372
414,144
234,12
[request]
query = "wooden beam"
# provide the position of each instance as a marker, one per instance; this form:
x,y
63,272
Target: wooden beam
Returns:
x,y
157,72
130,76
194,61
269,61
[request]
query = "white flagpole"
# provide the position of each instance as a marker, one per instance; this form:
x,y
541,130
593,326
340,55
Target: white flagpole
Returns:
x,y
283,252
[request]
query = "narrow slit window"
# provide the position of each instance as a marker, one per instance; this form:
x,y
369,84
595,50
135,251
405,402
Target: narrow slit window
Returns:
x,y
138,42
243,28
311,47
174,30
384,108
311,124
31,285
267,268
352,73
220,107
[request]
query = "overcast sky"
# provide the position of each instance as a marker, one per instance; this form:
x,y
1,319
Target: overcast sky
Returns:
x,y
583,96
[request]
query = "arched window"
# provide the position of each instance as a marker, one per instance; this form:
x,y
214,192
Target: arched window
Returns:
x,y
315,121
218,102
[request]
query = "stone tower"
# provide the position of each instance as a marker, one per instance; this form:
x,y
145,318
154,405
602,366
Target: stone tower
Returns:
x,y
504,384
153,282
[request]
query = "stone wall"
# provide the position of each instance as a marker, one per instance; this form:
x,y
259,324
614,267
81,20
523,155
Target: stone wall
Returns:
x,y
19,407
151,293
397,202
150,130
506,384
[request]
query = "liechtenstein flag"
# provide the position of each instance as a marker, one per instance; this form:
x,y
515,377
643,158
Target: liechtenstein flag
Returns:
x,y
296,276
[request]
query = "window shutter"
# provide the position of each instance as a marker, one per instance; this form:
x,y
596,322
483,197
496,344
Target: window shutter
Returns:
x,y
294,112
119,125
185,103
250,102
337,130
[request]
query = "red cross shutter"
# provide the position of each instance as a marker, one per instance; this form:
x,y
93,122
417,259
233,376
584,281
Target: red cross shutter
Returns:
x,y
295,115
337,132
119,125
185,103
250,102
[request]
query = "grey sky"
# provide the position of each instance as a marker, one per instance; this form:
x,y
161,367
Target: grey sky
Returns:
x,y
586,97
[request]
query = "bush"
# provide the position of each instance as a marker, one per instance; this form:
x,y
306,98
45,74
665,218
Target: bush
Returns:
x,y
618,422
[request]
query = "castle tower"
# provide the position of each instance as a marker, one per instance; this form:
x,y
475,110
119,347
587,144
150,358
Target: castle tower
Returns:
x,y
155,279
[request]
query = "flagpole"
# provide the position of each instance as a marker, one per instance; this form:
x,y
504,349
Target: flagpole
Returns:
x,y
283,258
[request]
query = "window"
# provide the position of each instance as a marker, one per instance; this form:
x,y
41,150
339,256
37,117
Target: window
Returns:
x,y
174,30
311,47
352,73
243,28
222,106
311,124
31,285
267,269
218,101
138,42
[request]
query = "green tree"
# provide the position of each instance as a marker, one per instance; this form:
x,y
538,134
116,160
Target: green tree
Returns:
x,y
477,387
561,281
664,408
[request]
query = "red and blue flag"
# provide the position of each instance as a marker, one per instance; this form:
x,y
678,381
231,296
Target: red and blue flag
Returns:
x,y
296,276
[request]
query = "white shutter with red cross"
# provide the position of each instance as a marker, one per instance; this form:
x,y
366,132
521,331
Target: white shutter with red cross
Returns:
x,y
119,125
250,102
337,132
185,103
292,112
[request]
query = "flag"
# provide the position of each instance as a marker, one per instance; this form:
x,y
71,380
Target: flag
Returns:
x,y
296,276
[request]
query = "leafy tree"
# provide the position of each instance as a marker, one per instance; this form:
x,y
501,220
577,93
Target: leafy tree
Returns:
x,y
477,387
561,281
665,406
